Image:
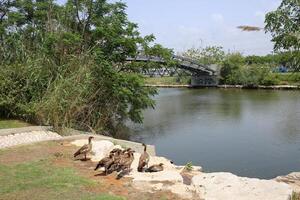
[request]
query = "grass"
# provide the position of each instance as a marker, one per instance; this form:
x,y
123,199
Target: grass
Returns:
x,y
40,180
8,123
166,81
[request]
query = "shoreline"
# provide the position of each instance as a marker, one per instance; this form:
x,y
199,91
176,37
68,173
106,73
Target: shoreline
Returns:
x,y
272,87
191,183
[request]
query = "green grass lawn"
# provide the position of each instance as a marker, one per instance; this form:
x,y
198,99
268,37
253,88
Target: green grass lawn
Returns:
x,y
41,180
9,123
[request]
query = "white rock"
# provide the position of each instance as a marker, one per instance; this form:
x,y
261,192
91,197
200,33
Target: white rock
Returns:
x,y
101,148
227,186
292,179
169,176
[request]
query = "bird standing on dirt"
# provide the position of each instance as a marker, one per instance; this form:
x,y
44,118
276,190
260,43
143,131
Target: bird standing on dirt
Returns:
x,y
85,149
144,159
156,168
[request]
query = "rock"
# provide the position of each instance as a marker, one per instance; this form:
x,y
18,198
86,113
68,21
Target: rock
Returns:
x,y
194,169
292,179
100,149
227,186
171,177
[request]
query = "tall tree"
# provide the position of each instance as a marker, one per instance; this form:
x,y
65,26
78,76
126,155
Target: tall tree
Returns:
x,y
284,26
65,65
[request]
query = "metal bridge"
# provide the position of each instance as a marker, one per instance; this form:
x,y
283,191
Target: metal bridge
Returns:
x,y
202,75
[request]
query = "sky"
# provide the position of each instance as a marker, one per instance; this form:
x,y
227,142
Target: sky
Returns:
x,y
184,24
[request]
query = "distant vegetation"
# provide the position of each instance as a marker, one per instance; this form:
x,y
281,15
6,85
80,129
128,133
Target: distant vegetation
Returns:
x,y
283,24
236,69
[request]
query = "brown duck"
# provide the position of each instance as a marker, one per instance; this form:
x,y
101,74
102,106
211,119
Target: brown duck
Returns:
x,y
156,168
85,149
114,151
144,159
106,163
125,164
126,160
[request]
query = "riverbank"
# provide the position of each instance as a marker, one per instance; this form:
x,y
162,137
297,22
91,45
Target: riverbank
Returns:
x,y
175,182
272,87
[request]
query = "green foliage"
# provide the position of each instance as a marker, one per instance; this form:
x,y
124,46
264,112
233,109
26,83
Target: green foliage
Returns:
x,y
283,24
208,55
64,65
189,166
230,67
288,78
235,71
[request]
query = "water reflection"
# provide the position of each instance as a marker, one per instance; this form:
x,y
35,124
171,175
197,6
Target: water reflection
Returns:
x,y
253,133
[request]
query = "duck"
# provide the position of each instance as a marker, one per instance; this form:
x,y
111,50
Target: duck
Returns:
x,y
117,154
156,168
126,160
125,164
106,163
115,150
85,149
144,159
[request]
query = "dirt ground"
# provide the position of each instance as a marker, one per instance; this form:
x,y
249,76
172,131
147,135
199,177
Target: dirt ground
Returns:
x,y
60,154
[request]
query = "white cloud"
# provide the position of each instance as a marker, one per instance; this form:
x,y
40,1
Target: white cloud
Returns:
x,y
217,17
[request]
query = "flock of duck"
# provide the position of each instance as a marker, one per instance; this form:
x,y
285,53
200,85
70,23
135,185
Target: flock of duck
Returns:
x,y
120,160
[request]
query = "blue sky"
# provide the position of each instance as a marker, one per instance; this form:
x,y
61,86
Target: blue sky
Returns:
x,y
180,24
183,24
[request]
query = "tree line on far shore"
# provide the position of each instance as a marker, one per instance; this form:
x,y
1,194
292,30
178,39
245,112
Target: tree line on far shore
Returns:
x,y
236,69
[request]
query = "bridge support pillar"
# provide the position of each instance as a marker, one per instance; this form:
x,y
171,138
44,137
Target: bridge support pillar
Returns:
x,y
204,80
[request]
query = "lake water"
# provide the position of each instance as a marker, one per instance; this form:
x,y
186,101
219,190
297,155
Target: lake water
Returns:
x,y
253,133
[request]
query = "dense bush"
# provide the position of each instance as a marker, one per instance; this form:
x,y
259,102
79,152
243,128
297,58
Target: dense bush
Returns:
x,y
235,71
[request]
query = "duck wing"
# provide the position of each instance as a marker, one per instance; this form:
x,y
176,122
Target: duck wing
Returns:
x,y
143,161
103,162
82,150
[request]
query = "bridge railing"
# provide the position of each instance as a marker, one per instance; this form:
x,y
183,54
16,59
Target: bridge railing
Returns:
x,y
185,63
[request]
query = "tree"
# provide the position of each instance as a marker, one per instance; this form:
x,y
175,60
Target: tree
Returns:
x,y
65,65
208,55
284,26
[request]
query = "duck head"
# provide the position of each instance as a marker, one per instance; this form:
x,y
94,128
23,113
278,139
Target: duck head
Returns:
x,y
90,138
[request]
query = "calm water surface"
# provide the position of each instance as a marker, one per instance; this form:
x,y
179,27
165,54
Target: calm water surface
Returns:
x,y
253,133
